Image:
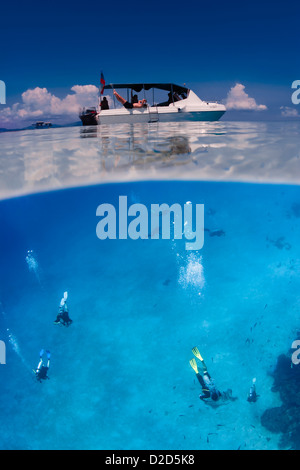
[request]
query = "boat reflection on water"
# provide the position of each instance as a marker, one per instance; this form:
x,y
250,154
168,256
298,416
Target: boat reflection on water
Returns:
x,y
89,132
140,143
156,143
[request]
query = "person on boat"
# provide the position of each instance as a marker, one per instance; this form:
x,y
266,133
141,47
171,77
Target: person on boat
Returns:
x,y
173,97
127,105
104,104
134,99
63,313
42,369
210,394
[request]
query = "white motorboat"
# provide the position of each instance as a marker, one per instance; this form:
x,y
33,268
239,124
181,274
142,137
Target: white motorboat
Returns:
x,y
182,104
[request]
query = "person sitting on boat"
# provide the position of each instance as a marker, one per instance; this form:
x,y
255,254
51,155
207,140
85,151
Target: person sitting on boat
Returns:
x,y
127,105
104,104
173,97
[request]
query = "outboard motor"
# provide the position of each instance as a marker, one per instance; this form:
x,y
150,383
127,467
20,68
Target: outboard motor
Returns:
x,y
89,117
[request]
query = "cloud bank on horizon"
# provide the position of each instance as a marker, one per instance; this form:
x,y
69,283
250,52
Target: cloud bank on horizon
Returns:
x,y
287,111
238,100
40,104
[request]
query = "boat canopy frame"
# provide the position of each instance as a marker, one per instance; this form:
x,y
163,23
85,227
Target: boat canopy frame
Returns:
x,y
138,87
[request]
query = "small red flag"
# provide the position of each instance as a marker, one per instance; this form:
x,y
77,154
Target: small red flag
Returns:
x,y
102,81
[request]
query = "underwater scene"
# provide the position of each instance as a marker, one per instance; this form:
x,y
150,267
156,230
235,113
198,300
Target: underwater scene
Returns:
x,y
120,333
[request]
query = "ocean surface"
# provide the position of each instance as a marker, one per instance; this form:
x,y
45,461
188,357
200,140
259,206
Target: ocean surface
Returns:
x,y
119,376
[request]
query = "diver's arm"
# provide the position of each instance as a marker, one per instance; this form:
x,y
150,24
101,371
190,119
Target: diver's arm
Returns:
x,y
205,394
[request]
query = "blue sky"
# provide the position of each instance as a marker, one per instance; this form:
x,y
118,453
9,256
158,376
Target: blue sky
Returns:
x,y
210,46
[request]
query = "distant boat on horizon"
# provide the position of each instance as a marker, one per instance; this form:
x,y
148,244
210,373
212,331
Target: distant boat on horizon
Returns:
x,y
182,104
42,124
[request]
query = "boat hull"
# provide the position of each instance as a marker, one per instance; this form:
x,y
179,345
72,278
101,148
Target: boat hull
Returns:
x,y
146,116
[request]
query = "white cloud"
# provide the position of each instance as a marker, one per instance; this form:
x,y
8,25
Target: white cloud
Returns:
x,y
40,103
237,99
286,111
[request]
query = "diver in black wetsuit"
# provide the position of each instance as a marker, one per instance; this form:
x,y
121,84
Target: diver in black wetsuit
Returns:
x,y
42,369
210,394
63,314
208,388
252,395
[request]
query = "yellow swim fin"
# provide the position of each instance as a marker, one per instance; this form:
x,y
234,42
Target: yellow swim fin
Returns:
x,y
194,365
196,353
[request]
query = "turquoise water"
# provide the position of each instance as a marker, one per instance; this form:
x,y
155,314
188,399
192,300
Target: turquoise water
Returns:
x,y
120,376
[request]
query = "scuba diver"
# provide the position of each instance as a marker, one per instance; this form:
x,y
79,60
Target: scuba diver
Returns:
x,y
63,313
42,369
252,395
210,394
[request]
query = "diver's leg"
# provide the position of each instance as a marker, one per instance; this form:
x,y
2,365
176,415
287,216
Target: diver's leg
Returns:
x,y
48,357
200,379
